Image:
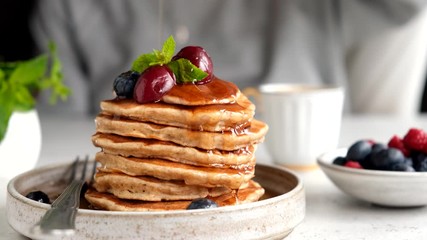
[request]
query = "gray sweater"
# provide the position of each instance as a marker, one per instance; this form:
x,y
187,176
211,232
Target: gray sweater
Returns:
x,y
375,49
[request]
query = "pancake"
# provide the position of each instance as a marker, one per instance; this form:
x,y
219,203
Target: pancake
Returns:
x,y
148,148
151,189
106,201
215,92
167,170
214,118
232,140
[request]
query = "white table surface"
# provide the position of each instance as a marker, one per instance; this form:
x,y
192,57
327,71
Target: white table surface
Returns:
x,y
330,214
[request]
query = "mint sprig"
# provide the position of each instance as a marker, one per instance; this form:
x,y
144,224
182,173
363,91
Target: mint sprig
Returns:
x,y
184,70
20,81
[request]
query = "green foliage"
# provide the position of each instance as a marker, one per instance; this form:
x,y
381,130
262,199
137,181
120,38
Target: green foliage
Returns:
x,y
20,81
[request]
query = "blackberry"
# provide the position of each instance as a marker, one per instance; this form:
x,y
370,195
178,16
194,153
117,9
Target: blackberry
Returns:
x,y
125,83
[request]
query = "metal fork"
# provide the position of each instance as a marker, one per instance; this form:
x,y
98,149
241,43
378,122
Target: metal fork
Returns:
x,y
59,220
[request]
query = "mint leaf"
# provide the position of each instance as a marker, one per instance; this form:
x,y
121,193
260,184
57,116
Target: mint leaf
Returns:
x,y
143,62
168,49
156,57
186,72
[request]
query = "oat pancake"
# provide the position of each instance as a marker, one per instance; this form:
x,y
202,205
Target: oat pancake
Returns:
x,y
214,118
148,148
215,92
168,170
108,201
229,141
151,189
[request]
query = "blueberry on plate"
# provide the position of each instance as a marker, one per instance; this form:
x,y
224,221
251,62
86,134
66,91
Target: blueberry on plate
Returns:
x,y
38,196
202,203
359,150
125,83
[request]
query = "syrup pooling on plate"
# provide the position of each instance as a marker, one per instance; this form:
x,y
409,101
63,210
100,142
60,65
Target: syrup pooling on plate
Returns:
x,y
196,139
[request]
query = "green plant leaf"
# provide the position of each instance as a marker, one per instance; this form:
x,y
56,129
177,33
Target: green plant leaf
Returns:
x,y
18,80
24,101
29,72
186,72
6,107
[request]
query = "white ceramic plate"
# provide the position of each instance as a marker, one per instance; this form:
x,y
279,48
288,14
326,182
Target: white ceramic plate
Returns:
x,y
385,188
282,209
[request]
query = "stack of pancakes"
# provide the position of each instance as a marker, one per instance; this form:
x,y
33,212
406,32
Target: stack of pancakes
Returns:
x,y
197,142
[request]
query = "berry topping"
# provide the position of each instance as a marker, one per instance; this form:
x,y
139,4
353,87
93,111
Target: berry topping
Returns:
x,y
124,84
185,71
200,58
202,203
153,83
415,139
38,196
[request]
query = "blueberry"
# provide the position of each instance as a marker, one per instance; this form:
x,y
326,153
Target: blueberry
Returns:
x,y
402,166
386,158
125,83
419,160
38,196
340,161
202,203
359,150
366,163
378,147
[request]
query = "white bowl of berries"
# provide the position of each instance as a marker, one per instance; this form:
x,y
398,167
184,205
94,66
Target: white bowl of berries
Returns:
x,y
392,174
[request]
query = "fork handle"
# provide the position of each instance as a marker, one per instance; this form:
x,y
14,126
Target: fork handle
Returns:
x,y
60,218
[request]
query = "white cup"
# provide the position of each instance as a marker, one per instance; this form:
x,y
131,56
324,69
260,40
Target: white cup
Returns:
x,y
304,121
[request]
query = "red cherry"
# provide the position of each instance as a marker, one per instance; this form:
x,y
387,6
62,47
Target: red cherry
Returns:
x,y
153,83
200,58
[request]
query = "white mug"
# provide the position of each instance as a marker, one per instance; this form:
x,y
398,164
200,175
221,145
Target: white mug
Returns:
x,y
304,121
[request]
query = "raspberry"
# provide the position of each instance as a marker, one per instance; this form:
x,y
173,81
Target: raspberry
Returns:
x,y
353,164
415,139
397,142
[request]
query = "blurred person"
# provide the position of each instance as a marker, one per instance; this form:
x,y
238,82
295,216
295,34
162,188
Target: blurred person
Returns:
x,y
375,49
